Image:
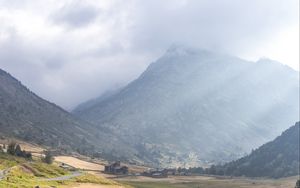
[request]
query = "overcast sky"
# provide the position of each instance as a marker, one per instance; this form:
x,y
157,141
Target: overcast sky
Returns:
x,y
70,51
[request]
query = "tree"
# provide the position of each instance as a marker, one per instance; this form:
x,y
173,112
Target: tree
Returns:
x,y
15,149
298,184
27,155
18,151
11,148
48,158
212,170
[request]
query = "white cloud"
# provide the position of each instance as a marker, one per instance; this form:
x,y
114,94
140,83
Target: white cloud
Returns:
x,y
69,51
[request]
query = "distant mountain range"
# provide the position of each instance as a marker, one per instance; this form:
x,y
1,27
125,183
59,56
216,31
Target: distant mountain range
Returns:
x,y
278,158
195,107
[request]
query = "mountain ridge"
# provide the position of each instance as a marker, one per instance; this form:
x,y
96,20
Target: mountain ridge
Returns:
x,y
277,158
185,87
25,115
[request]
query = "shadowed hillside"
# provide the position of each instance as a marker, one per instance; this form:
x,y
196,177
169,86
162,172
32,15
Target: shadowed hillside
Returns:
x,y
278,158
26,116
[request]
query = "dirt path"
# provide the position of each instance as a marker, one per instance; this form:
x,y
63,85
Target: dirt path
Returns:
x,y
3,173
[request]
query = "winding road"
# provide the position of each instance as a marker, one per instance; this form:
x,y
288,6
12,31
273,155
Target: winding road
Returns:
x,y
3,173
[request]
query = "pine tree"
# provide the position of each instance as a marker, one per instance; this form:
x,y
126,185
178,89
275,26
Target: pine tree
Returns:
x,y
18,151
298,184
11,148
48,157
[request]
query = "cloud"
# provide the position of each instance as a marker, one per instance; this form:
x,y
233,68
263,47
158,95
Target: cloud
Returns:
x,y
76,14
71,51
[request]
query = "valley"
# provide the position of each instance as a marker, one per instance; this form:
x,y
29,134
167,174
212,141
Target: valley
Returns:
x,y
89,174
160,123
193,107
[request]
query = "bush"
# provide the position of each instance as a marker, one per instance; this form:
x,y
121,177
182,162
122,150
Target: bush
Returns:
x,y
14,149
48,158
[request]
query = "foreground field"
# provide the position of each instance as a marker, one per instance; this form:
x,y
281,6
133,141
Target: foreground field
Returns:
x,y
17,172
208,182
174,181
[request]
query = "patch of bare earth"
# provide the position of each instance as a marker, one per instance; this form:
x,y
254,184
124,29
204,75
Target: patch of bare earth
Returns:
x,y
80,164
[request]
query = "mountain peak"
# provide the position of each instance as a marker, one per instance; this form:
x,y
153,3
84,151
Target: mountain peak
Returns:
x,y
184,50
199,96
264,61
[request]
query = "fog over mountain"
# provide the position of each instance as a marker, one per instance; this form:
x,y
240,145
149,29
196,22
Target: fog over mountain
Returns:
x,y
61,50
195,106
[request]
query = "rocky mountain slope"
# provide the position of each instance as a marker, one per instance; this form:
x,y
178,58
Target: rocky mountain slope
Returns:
x,y
194,107
26,116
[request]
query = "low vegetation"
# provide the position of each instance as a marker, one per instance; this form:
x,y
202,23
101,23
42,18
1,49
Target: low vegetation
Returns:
x,y
43,170
7,161
210,182
21,177
90,178
27,173
48,157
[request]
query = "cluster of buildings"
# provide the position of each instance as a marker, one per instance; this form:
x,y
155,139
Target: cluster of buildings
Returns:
x,y
116,168
160,173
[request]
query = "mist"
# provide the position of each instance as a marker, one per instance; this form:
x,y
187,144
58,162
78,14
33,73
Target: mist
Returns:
x,y
71,51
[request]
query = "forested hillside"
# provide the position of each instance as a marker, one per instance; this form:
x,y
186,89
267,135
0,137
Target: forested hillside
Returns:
x,y
278,158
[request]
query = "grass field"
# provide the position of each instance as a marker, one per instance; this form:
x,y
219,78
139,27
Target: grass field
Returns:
x,y
30,173
204,182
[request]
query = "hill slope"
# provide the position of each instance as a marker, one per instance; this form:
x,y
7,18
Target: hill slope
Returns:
x,y
26,116
193,107
278,158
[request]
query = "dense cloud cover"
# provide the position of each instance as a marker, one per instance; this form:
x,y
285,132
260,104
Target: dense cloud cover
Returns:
x,y
71,51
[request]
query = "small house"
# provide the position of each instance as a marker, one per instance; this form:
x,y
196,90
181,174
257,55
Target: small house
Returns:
x,y
156,173
116,168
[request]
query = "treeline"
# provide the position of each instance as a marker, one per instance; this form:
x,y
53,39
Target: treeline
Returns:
x,y
15,149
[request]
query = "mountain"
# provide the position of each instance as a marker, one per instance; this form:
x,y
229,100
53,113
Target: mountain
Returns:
x,y
86,105
26,116
278,158
195,107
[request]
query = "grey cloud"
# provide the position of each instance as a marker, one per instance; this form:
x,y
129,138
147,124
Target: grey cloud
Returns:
x,y
213,24
59,67
75,14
